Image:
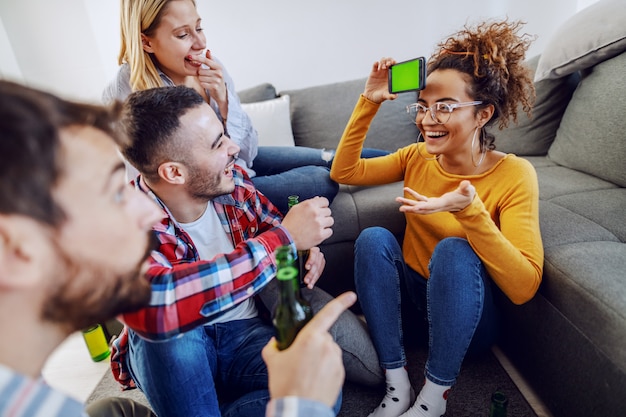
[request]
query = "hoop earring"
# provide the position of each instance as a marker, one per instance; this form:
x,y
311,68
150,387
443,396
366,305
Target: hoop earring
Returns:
x,y
484,152
420,154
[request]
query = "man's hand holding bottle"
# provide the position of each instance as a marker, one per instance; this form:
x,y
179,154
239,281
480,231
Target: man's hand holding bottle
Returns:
x,y
310,223
312,367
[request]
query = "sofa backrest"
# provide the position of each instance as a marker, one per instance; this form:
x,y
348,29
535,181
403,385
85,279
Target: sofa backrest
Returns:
x,y
261,92
319,116
592,135
534,135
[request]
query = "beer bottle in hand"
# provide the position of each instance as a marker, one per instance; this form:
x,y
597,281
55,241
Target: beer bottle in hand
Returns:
x,y
303,254
292,311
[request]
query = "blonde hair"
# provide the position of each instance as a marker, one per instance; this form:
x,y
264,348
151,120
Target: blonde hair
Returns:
x,y
139,17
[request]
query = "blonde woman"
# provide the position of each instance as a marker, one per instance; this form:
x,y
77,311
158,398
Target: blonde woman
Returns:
x,y
163,44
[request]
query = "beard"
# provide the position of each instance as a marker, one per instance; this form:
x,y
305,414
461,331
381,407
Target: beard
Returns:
x,y
205,186
92,292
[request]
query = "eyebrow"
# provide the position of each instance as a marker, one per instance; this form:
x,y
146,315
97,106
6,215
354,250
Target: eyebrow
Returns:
x,y
220,136
186,26
440,99
117,167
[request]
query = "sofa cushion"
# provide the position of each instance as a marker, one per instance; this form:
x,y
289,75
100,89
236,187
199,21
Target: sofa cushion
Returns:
x,y
533,136
555,181
261,92
319,116
592,35
591,136
588,286
271,120
557,218
605,208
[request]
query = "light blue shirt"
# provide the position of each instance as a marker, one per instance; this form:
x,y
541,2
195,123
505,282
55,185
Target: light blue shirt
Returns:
x,y
21,396
297,407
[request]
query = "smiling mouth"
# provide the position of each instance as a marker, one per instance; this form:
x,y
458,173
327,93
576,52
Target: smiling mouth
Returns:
x,y
193,62
229,168
435,134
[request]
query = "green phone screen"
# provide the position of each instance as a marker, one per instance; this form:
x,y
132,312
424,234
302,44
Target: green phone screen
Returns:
x,y
406,76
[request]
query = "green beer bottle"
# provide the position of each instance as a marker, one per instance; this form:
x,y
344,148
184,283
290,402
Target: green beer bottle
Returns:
x,y
499,403
96,343
292,311
302,255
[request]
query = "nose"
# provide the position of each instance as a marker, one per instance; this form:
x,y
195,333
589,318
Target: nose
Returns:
x,y
430,113
142,208
199,40
233,148
420,118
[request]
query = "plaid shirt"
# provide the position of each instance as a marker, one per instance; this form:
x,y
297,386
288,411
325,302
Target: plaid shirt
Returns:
x,y
188,292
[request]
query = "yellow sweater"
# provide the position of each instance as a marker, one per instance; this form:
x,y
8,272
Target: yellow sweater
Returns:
x,y
501,224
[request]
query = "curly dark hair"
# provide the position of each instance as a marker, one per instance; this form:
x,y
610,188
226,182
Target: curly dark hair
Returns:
x,y
492,55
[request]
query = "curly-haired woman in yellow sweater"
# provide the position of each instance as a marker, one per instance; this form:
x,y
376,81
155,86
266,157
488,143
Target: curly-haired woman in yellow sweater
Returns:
x,y
471,211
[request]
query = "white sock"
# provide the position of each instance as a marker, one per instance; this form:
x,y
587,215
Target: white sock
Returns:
x,y
399,395
431,401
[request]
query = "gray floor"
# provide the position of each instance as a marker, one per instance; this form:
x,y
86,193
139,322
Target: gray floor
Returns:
x,y
479,378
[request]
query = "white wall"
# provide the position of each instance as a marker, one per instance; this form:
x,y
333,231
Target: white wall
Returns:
x,y
8,62
70,46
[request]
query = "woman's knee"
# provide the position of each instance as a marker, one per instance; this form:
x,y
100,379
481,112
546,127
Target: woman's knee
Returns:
x,y
373,240
451,246
452,256
377,258
456,269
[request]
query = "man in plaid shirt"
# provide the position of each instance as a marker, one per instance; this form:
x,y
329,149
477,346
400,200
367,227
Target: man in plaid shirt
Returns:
x,y
201,337
66,212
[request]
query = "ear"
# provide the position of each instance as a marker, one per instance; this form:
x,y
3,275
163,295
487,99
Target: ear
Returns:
x,y
172,172
146,44
485,114
21,241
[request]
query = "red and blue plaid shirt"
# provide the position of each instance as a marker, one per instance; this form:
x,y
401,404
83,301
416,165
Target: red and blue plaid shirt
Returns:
x,y
188,292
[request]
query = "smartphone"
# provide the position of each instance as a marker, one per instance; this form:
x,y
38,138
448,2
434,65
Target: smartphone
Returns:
x,y
407,76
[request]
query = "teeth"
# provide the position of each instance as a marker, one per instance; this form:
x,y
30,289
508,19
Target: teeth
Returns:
x,y
435,134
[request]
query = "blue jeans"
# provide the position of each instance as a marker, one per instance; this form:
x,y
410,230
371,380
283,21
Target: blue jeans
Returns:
x,y
457,299
209,371
212,370
285,170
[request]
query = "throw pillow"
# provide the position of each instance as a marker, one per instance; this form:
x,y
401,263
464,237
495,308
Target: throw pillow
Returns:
x,y
271,120
592,35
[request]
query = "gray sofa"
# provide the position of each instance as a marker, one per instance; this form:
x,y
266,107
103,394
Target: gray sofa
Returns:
x,y
569,342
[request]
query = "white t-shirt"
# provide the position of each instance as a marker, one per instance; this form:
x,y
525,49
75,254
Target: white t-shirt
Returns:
x,y
210,240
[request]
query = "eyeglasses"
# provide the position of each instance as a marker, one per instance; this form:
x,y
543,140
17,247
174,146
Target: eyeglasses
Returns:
x,y
439,112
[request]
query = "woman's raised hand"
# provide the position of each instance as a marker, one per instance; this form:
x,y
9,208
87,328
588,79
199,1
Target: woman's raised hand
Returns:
x,y
377,87
211,78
